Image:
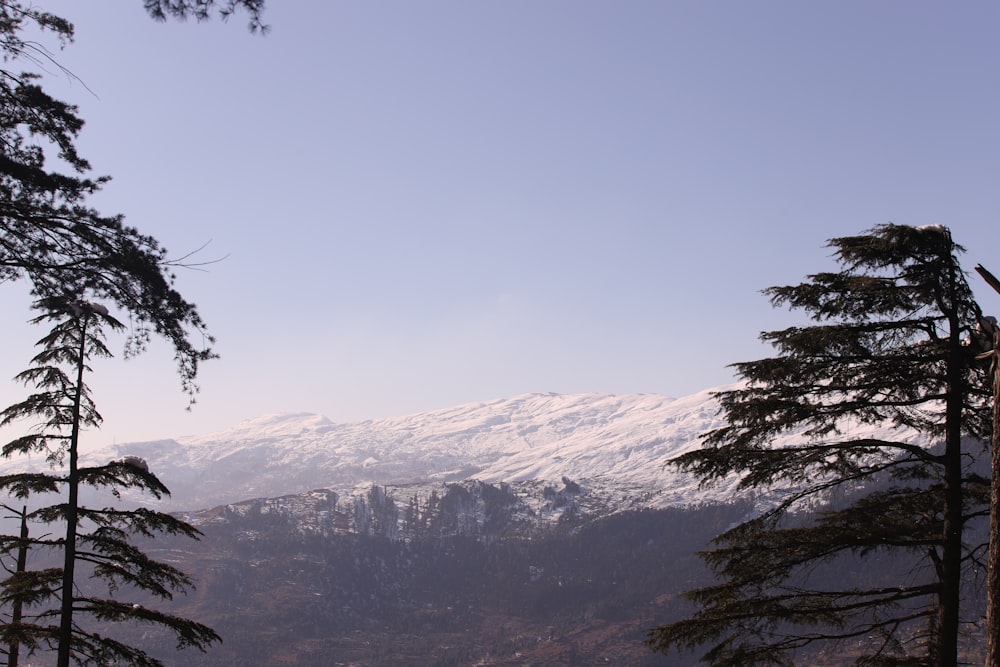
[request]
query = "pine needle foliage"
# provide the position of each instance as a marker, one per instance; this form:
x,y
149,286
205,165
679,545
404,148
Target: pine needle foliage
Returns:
x,y
49,235
201,10
54,611
51,238
891,343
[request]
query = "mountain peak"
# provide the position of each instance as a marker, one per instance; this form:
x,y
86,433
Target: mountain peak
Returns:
x,y
607,440
620,439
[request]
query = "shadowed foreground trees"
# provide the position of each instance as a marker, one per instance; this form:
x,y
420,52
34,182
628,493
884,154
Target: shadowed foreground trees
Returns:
x,y
893,346
65,249
95,543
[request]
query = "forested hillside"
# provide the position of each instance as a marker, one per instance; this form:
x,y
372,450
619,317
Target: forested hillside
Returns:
x,y
283,588
572,594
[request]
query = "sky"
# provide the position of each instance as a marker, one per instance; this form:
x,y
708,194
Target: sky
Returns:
x,y
416,205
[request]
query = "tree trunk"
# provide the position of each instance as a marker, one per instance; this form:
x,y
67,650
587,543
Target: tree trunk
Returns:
x,y
17,611
945,652
993,562
993,557
72,503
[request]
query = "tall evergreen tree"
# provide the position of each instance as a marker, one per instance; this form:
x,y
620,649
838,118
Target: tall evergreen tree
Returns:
x,y
60,245
890,346
95,539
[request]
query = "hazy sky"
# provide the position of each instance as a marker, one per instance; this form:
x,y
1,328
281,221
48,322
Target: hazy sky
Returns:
x,y
427,203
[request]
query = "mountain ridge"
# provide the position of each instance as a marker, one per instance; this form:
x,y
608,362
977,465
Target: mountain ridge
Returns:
x,y
603,440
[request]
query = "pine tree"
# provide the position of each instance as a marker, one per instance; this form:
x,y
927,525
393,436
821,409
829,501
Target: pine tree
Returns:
x,y
95,539
890,345
50,237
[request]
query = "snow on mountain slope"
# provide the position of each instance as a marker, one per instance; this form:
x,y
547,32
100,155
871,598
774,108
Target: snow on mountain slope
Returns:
x,y
603,440
620,439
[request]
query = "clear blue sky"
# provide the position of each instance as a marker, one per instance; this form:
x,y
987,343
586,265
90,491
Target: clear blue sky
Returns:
x,y
428,203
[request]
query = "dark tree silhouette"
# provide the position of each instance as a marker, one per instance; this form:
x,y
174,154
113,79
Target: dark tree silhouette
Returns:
x,y
48,234
98,539
65,249
201,10
890,346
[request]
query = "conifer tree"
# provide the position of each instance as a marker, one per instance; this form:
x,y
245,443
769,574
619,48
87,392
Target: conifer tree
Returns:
x,y
53,239
96,540
890,345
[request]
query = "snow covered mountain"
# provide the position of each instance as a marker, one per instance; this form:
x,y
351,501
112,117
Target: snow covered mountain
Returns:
x,y
612,441
617,445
